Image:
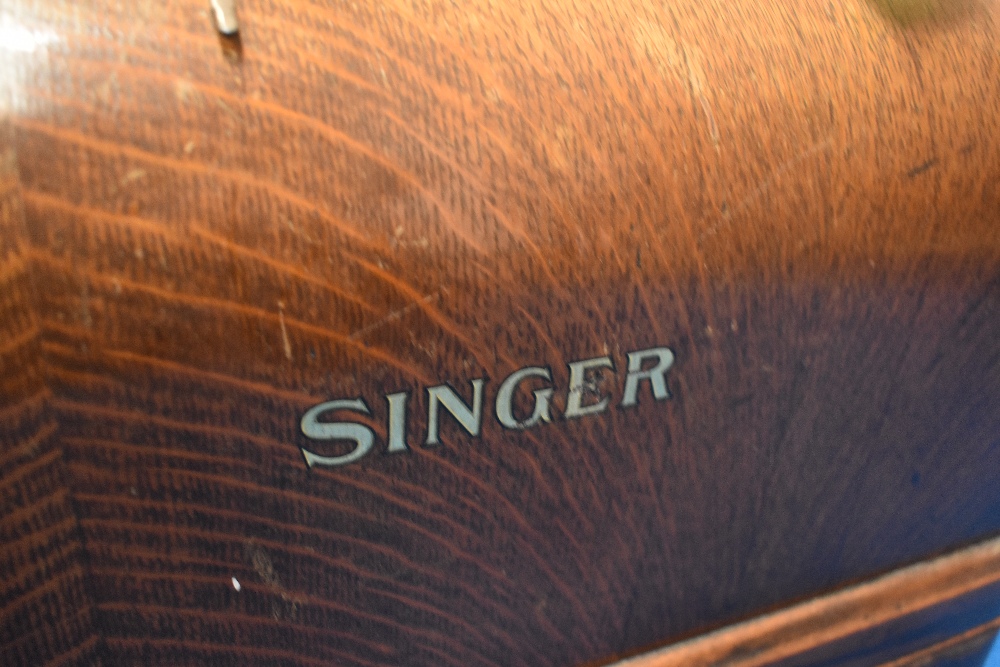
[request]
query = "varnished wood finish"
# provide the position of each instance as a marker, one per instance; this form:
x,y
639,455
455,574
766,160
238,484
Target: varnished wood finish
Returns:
x,y
799,198
968,649
45,612
872,623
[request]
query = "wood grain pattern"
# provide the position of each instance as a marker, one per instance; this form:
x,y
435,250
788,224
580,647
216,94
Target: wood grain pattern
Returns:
x,y
799,198
45,610
909,616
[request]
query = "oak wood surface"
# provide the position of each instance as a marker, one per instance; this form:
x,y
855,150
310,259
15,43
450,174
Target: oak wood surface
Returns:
x,y
908,616
799,198
45,611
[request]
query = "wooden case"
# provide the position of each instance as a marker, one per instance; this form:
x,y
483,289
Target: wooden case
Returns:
x,y
204,238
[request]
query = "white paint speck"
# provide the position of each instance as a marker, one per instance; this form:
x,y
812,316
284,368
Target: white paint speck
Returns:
x,y
236,584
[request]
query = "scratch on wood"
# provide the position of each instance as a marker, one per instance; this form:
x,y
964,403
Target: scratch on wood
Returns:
x,y
765,184
395,315
284,331
88,322
712,127
919,169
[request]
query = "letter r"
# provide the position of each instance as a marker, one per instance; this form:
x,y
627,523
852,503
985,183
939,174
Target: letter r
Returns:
x,y
656,375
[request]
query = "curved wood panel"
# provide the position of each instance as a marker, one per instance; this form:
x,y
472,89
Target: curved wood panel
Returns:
x,y
798,199
45,611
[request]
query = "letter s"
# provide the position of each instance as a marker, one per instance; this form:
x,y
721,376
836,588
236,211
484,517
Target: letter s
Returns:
x,y
314,429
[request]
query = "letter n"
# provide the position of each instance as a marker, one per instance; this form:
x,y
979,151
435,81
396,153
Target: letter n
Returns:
x,y
469,418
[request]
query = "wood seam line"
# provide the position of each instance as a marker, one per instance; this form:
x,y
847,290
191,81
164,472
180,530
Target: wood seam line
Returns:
x,y
925,655
826,619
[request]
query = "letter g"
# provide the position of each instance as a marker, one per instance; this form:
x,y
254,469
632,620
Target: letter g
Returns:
x,y
505,399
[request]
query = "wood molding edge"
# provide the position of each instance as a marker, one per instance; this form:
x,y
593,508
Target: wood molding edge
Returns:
x,y
830,618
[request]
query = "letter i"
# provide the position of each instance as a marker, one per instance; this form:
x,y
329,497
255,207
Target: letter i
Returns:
x,y
397,421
